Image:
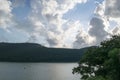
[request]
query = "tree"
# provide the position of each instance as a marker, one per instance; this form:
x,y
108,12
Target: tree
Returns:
x,y
97,78
102,62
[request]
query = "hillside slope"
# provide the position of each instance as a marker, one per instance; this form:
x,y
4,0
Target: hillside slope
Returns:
x,y
31,52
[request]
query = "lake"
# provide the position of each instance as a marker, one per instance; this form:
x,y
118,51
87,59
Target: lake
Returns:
x,y
37,71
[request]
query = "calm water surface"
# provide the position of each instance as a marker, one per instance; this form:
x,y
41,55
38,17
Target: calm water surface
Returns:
x,y
37,71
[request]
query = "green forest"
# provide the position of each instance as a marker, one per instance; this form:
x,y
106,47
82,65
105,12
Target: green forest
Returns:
x,y
31,52
102,62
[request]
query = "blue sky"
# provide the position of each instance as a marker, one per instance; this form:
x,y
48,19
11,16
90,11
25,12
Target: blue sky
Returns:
x,y
21,12
82,12
57,23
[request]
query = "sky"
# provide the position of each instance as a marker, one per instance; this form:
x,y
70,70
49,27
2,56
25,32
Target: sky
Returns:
x,y
59,23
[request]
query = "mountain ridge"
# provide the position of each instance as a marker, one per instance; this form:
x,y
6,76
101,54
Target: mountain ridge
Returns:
x,y
32,52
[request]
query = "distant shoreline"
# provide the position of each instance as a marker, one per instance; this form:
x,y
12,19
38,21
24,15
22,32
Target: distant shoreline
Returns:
x,y
35,53
33,62
36,62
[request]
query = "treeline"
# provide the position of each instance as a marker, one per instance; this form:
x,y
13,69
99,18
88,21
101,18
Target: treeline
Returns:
x,y
31,52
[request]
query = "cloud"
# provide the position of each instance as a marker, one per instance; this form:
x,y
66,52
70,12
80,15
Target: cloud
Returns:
x,y
97,29
47,21
97,32
83,39
52,42
99,26
109,9
18,3
112,8
116,30
99,10
104,14
70,31
5,14
76,35
9,31
112,12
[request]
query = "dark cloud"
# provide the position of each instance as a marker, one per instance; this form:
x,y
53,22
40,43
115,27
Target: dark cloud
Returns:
x,y
97,29
112,8
80,42
116,30
52,42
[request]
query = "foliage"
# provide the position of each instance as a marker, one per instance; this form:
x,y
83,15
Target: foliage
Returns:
x,y
102,61
97,78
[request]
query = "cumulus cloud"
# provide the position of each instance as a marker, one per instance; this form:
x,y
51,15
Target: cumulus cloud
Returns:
x,y
112,8
112,12
8,25
47,26
104,14
70,31
99,10
83,39
97,32
97,29
47,21
5,14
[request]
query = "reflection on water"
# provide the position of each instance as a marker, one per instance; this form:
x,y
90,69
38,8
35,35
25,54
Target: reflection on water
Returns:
x,y
37,71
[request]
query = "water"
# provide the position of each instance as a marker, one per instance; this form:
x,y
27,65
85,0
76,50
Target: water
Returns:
x,y
37,71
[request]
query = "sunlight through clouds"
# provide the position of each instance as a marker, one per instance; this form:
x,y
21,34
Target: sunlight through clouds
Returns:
x,y
45,23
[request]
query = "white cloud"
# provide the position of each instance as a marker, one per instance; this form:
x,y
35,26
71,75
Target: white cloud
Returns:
x,y
109,9
99,29
99,11
105,13
76,35
46,25
8,25
47,20
83,39
5,14
112,12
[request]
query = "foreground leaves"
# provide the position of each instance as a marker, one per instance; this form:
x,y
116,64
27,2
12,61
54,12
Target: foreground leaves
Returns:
x,y
102,62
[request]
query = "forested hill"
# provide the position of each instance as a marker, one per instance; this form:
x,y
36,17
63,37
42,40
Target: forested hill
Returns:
x,y
31,52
